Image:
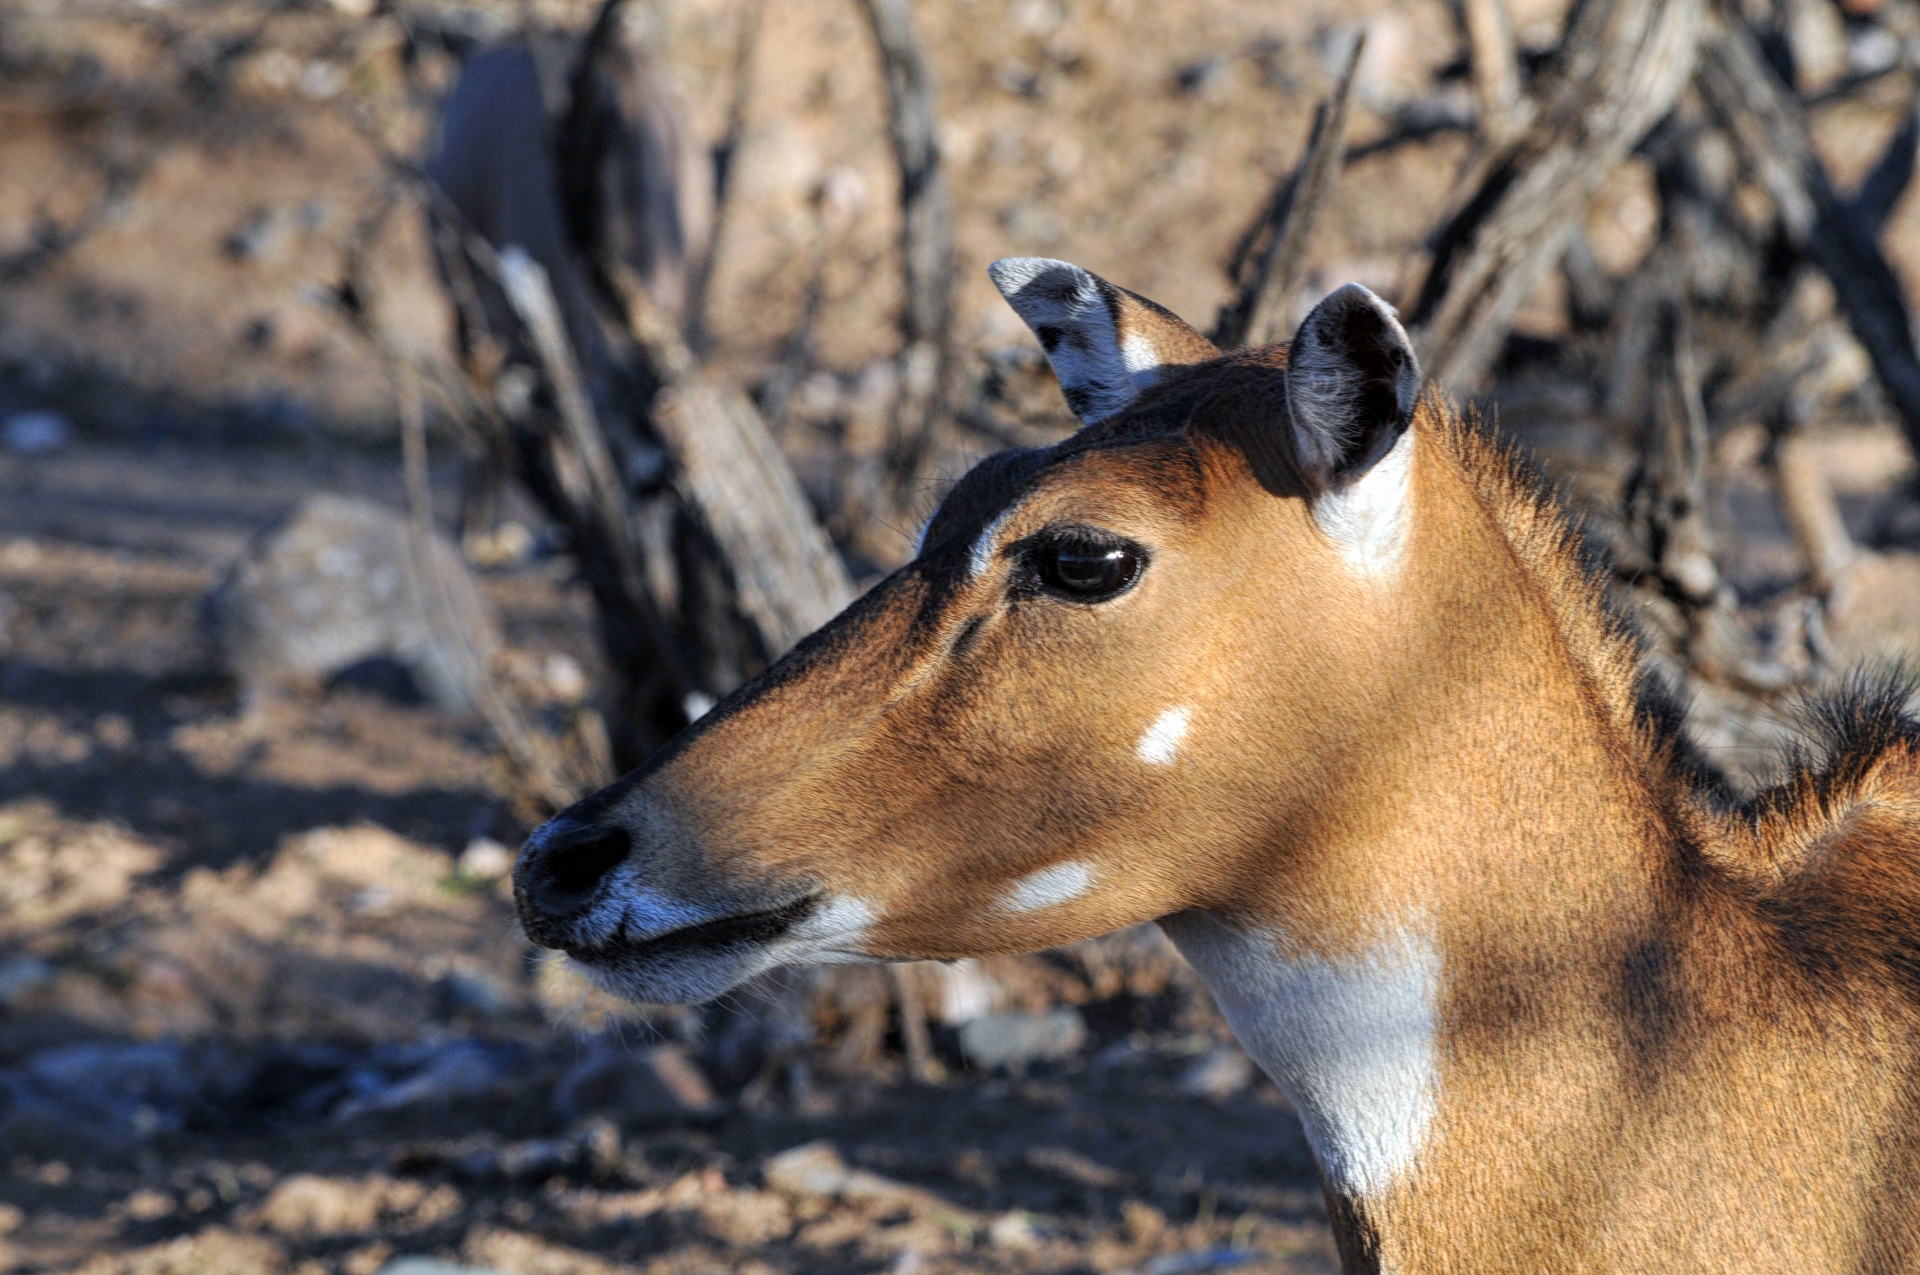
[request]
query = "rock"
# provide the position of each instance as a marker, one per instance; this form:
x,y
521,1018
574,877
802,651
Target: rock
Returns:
x,y
334,586
1221,1072
816,1169
433,1266
485,859
437,1073
113,1091
1013,1230
655,1086
1015,1039
35,433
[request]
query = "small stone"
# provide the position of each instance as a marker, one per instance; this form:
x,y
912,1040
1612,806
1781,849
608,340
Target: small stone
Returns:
x,y
565,678
1221,1072
1013,1230
433,1266
35,433
147,1205
1015,1039
485,859
816,1169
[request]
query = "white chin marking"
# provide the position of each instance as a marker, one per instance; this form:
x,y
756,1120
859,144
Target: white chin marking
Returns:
x,y
1160,743
1352,1043
835,934
1049,887
1367,519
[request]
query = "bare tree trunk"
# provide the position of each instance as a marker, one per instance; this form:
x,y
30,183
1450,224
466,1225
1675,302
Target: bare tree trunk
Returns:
x,y
1622,65
926,237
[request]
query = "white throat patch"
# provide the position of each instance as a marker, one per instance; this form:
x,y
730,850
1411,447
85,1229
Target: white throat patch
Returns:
x,y
1351,1043
1368,519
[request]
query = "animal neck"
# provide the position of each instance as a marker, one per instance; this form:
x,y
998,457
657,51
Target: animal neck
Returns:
x,y
1435,964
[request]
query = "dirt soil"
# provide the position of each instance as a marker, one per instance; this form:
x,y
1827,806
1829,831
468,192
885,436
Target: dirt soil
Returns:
x,y
263,1003
251,927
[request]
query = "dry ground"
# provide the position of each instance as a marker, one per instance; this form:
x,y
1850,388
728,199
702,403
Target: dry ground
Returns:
x,y
278,888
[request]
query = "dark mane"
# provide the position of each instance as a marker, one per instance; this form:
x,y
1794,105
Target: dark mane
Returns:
x,y
1859,739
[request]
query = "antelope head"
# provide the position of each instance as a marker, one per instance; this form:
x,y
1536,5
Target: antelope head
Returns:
x,y
1127,676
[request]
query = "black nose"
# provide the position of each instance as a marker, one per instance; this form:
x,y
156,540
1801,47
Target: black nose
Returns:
x,y
564,870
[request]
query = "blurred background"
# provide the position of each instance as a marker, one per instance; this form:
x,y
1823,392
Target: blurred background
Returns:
x,y
414,412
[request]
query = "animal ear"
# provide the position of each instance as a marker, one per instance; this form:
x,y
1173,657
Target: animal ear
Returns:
x,y
1352,380
1106,344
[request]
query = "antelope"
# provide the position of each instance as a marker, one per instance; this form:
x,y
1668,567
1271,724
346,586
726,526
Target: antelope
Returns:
x,y
1280,652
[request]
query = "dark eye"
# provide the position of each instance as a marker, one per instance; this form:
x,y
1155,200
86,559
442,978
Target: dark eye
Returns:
x,y
1085,567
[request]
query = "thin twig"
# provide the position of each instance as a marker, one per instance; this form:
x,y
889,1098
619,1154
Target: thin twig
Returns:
x,y
528,751
1496,69
926,240
1275,249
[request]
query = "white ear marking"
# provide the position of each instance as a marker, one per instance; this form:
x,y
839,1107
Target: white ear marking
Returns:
x,y
1367,519
1049,887
1160,743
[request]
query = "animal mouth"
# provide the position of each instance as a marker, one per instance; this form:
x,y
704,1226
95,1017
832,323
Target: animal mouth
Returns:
x,y
742,929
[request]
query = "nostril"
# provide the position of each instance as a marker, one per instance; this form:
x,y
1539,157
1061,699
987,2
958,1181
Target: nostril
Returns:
x,y
573,865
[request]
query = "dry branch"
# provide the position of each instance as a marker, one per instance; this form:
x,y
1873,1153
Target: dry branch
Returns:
x,y
1496,69
786,575
1891,174
1621,67
1268,260
584,468
1769,126
926,235
725,152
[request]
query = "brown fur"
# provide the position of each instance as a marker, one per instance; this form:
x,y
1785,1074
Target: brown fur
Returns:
x,y
1675,1031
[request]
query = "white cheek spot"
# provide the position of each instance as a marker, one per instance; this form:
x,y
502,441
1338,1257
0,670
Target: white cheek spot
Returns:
x,y
982,556
1367,520
1353,1043
1049,887
1160,743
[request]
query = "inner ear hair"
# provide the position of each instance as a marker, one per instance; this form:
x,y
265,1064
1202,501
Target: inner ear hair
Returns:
x,y
1352,382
